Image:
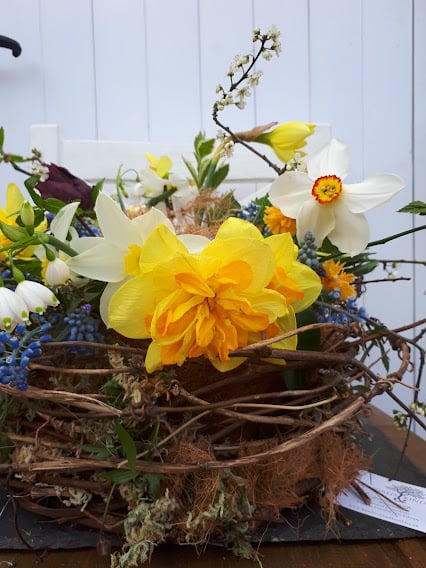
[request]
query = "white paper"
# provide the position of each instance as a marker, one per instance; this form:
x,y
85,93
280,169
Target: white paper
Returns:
x,y
394,501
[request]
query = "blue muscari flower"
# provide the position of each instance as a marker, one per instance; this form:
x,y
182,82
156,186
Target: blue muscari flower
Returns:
x,y
18,348
87,229
249,212
308,254
332,310
83,327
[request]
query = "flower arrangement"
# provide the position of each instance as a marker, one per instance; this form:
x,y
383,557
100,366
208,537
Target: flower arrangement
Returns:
x,y
175,366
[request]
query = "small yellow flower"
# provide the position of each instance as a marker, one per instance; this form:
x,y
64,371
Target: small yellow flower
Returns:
x,y
279,223
161,165
8,215
287,138
336,277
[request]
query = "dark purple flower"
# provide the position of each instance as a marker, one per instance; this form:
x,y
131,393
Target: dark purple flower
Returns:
x,y
63,185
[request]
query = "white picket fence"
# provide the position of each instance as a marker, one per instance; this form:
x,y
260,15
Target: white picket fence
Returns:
x,y
147,70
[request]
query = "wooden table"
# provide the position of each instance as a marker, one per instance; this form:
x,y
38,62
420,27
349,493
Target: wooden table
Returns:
x,y
408,553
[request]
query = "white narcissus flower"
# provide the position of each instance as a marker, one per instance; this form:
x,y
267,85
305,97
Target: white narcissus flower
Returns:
x,y
151,184
183,196
35,296
13,309
102,258
106,258
322,204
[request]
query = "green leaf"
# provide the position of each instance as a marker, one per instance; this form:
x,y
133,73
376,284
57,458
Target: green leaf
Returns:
x,y
203,170
192,171
15,158
120,475
206,147
30,184
153,484
219,176
418,207
97,189
1,138
97,452
198,140
127,445
14,234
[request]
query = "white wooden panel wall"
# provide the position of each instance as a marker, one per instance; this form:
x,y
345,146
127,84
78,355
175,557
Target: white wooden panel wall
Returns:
x,y
147,70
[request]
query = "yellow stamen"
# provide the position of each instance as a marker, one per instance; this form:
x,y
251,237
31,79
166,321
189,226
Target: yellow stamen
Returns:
x,y
327,188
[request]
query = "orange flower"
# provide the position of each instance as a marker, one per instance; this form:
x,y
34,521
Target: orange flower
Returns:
x,y
336,277
279,223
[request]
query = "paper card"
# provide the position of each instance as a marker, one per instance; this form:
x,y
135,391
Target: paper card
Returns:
x,y
394,501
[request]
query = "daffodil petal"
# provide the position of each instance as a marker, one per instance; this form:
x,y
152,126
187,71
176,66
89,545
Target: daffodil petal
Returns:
x,y
249,251
309,282
289,192
373,191
129,305
61,222
319,219
160,245
109,290
145,224
114,224
14,200
270,302
332,159
102,262
235,227
224,366
351,232
194,243
153,360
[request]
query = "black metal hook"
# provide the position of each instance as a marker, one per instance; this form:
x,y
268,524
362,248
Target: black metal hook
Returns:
x,y
11,44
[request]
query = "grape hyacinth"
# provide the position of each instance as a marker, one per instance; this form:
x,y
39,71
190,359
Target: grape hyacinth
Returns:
x,y
308,253
83,327
17,349
333,310
249,212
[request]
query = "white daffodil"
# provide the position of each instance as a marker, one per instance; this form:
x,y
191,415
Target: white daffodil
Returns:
x,y
151,184
112,257
322,204
103,258
35,296
13,310
185,194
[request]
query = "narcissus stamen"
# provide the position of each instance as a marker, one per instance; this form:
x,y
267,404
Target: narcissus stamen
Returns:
x,y
327,188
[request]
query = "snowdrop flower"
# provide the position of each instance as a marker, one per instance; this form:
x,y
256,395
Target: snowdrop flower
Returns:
x,y
13,310
322,204
35,296
55,272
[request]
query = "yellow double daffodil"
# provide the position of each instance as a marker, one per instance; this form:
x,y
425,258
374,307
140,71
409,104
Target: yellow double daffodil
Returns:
x,y
239,288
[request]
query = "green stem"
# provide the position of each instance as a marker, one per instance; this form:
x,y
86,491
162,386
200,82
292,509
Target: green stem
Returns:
x,y
61,246
392,237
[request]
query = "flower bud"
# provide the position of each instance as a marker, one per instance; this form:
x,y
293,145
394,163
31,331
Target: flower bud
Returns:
x,y
27,214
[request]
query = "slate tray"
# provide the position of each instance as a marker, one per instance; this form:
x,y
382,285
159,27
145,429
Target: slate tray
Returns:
x,y
304,525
